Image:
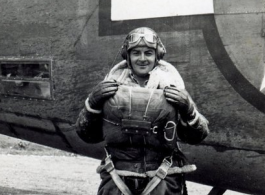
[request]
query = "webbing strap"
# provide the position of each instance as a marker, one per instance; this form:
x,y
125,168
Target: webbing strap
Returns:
x,y
130,108
116,178
151,174
160,174
130,103
149,100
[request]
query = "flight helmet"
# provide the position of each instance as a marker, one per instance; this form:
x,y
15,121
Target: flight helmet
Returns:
x,y
143,36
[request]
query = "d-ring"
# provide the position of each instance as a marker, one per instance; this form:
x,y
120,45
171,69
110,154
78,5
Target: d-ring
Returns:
x,y
168,128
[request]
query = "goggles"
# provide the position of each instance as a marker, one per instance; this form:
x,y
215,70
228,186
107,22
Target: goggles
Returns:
x,y
135,37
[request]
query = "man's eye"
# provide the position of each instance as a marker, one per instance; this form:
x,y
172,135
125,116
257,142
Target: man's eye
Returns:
x,y
149,53
135,52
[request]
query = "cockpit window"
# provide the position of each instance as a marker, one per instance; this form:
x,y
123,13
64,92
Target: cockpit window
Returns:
x,y
30,79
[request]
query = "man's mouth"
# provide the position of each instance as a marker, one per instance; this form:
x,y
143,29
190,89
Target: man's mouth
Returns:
x,y
142,64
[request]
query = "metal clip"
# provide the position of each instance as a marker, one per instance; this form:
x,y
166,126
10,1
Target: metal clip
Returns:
x,y
169,128
168,160
154,129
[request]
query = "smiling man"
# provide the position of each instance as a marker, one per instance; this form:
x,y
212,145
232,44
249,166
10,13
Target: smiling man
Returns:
x,y
140,109
142,61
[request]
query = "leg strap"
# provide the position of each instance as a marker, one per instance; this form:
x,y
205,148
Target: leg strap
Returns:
x,y
115,177
161,173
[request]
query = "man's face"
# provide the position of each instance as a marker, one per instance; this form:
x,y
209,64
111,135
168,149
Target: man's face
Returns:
x,y
142,60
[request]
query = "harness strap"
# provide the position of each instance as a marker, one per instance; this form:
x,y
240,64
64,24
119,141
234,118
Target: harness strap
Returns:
x,y
130,103
115,177
161,173
149,100
130,108
171,171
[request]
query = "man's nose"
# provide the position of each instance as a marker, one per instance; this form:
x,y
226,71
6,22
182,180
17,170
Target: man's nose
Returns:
x,y
142,57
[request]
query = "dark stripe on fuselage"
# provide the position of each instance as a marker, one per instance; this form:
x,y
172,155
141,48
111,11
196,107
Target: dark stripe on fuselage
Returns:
x,y
207,24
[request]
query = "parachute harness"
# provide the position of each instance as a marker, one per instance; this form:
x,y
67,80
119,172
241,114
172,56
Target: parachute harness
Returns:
x,y
144,127
156,175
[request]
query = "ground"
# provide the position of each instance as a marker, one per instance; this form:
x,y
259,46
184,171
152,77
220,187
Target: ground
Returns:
x,y
31,169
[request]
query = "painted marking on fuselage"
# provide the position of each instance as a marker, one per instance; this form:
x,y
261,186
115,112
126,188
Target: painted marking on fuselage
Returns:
x,y
207,24
139,9
262,87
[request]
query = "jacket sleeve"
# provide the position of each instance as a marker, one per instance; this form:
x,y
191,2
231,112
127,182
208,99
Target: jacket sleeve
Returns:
x,y
195,131
89,126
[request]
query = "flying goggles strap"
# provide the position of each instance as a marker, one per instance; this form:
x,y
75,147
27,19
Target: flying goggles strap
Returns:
x,y
161,174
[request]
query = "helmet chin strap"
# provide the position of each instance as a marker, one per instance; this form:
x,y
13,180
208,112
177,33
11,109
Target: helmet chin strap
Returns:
x,y
156,60
128,59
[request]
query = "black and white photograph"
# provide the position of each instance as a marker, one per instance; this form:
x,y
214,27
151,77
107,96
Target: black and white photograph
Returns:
x,y
132,97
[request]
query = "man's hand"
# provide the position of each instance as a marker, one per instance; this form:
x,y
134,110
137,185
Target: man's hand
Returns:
x,y
181,99
102,92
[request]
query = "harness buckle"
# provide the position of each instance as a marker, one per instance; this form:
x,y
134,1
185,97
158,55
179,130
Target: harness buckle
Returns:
x,y
109,166
163,169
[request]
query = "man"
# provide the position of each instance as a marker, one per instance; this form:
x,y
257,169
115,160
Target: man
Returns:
x,y
140,109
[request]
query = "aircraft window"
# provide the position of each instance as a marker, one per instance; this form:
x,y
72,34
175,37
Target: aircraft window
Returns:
x,y
25,70
30,79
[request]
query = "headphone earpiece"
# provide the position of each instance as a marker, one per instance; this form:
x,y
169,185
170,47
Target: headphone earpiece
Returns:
x,y
124,52
161,50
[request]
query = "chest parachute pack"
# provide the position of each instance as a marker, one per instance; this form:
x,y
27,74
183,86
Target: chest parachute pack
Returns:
x,y
140,111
